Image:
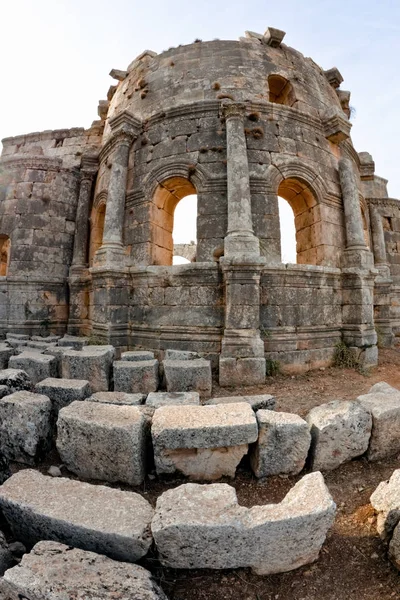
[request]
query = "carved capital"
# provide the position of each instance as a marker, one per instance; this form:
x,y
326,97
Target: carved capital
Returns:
x,y
89,165
125,127
233,110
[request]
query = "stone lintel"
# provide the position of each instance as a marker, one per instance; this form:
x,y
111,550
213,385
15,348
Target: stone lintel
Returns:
x,y
334,77
118,74
273,37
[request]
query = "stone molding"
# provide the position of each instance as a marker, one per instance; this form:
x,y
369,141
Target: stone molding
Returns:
x,y
42,163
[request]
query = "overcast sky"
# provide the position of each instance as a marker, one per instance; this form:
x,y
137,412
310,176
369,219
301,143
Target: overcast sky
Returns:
x,y
56,55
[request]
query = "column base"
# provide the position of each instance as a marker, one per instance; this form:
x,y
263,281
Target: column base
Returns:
x,y
242,343
360,258
110,254
241,244
241,371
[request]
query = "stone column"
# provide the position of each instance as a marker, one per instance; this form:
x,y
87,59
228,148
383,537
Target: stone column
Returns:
x,y
378,238
89,166
124,129
357,275
383,283
242,359
240,237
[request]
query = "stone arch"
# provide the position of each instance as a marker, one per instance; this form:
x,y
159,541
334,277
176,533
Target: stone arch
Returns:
x,y
193,173
5,250
97,226
166,197
281,90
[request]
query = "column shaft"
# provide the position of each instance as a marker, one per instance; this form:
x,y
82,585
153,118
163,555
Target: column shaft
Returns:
x,y
114,219
82,222
378,237
351,204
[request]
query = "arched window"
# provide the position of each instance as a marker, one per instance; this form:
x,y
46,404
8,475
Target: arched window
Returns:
x,y
302,201
5,246
96,230
175,218
281,90
287,231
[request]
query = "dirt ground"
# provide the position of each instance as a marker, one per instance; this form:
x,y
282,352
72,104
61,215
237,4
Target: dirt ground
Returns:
x,y
353,563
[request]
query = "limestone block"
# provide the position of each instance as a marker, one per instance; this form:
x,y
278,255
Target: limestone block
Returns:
x,y
63,391
38,366
5,354
394,548
282,446
257,402
53,571
180,355
5,472
385,435
158,399
188,376
4,391
17,336
340,431
137,355
220,534
76,342
90,517
136,376
25,426
202,442
383,388
118,398
386,502
103,441
6,557
92,363
49,339
15,380
241,371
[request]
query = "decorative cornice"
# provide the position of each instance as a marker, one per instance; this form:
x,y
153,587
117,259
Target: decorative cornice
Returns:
x,y
33,162
125,122
392,202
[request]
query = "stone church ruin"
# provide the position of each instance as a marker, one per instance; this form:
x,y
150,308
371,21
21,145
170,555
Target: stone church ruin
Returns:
x,y
86,216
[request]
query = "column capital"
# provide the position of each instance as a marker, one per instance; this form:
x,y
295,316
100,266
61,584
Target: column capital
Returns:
x,y
89,165
125,127
233,110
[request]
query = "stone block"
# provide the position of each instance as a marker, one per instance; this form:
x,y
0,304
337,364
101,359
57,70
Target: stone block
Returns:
x,y
93,363
118,398
340,431
53,571
49,339
74,341
180,355
188,375
385,435
282,446
15,379
202,442
257,402
25,426
137,355
17,336
220,534
386,502
38,366
241,371
63,391
4,391
383,388
6,352
90,517
136,376
103,441
6,558
158,399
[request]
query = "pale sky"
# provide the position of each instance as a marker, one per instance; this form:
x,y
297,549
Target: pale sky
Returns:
x,y
56,55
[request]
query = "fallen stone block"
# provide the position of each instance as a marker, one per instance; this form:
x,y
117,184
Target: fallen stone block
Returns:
x,y
180,355
6,352
49,339
63,391
136,376
6,558
93,363
25,426
4,391
74,341
38,366
383,388
103,441
386,502
53,571
340,431
15,343
188,375
43,346
385,435
202,442
118,398
137,355
203,527
15,380
282,446
158,399
257,402
90,517
17,336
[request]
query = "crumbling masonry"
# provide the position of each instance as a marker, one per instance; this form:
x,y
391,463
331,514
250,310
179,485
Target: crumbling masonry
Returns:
x,y
86,216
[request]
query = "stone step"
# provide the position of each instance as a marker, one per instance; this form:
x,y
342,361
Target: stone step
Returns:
x,y
90,517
